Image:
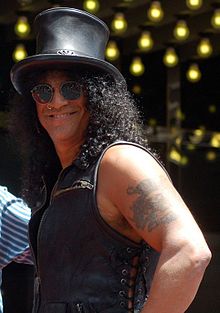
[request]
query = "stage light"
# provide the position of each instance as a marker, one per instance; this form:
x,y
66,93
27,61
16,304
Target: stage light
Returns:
x,y
193,73
136,89
215,140
180,115
181,31
19,53
194,4
197,136
22,27
137,68
184,160
119,23
170,58
112,52
204,48
215,19
211,156
155,12
91,5
212,108
145,42
178,141
176,157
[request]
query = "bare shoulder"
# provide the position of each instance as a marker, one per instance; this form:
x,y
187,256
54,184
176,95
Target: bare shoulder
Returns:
x,y
133,162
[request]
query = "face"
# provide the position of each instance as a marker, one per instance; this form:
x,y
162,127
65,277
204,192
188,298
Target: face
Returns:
x,y
64,120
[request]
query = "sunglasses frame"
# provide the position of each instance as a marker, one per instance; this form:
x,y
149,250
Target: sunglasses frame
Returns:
x,y
52,90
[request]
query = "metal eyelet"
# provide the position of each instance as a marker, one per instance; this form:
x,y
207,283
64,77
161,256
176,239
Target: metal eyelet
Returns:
x,y
121,293
123,281
122,304
124,272
79,307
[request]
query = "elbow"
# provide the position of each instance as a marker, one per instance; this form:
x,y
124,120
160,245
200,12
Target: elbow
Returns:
x,y
200,258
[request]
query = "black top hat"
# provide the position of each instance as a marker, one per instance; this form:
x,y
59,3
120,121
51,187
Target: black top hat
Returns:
x,y
66,38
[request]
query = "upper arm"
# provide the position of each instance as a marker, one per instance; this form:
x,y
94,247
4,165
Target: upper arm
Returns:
x,y
140,189
14,230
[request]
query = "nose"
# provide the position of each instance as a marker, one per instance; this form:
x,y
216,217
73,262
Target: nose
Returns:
x,y
58,100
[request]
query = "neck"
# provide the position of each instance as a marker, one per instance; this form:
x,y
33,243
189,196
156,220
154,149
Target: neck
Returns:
x,y
67,153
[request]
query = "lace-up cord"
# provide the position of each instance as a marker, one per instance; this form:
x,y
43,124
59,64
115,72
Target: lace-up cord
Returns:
x,y
141,293
128,281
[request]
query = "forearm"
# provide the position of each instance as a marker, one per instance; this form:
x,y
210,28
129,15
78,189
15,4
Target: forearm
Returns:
x,y
176,281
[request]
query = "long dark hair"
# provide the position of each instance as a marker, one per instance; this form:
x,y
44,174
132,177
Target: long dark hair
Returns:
x,y
113,116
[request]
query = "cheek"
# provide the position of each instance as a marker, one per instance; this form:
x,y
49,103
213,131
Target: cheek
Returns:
x,y
39,111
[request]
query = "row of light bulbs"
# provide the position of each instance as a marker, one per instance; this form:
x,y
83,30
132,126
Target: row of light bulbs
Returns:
x,y
175,155
193,73
119,24
190,140
137,67
155,12
145,42
181,31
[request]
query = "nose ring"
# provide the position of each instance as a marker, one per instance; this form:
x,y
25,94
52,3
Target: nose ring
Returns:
x,y
49,107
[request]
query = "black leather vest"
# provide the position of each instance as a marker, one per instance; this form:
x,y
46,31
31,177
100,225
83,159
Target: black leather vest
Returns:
x,y
83,264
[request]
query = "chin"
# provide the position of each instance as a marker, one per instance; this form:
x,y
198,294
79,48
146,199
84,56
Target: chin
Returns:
x,y
59,136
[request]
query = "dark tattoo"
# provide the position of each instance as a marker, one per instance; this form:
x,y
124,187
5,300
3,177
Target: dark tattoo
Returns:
x,y
150,209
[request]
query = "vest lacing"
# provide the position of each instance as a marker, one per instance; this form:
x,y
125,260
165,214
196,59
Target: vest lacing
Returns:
x,y
141,288
126,264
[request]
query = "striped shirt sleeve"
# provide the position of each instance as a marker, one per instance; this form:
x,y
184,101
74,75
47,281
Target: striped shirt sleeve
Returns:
x,y
14,218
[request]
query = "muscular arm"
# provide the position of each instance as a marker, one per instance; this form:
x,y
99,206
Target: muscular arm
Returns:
x,y
182,262
140,189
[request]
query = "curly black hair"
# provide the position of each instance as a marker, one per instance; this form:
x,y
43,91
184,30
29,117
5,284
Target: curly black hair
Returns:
x,y
113,116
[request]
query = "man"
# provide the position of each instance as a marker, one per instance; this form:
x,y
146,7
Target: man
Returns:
x,y
14,244
109,233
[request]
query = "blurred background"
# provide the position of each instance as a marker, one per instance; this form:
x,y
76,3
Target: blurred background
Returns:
x,y
169,53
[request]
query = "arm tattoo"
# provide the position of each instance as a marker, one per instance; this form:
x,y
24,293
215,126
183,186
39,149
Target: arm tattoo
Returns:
x,y
150,209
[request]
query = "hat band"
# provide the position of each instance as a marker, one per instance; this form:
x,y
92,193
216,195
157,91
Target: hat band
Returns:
x,y
65,52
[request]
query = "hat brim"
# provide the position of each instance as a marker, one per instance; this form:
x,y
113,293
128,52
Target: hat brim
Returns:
x,y
22,72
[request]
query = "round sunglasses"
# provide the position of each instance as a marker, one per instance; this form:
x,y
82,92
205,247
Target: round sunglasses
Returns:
x,y
43,93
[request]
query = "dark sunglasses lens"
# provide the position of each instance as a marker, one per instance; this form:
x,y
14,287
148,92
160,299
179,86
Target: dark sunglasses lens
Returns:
x,y
42,93
71,90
